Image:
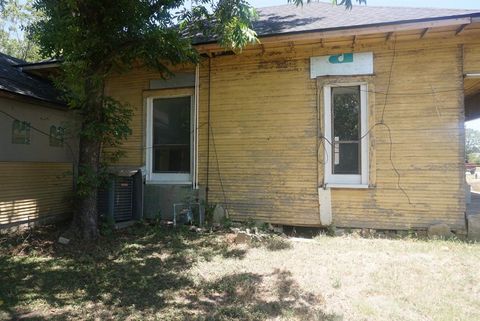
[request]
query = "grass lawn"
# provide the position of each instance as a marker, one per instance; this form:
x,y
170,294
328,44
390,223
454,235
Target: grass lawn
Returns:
x,y
154,273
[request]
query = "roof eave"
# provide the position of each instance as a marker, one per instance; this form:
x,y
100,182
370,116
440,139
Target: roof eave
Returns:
x,y
32,100
370,28
40,65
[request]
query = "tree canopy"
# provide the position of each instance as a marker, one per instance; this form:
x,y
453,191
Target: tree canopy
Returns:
x,y
15,17
472,141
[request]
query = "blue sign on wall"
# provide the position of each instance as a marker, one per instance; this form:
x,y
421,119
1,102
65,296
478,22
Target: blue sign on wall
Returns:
x,y
358,63
341,59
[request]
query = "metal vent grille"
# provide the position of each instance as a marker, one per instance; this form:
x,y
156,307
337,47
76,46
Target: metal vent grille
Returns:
x,y
123,202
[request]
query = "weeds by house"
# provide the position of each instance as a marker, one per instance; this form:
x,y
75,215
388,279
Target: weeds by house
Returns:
x,y
154,273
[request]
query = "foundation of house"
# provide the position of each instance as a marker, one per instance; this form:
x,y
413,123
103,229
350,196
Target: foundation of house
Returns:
x,y
159,199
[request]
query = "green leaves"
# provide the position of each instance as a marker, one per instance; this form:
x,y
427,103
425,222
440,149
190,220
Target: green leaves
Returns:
x,y
472,141
15,17
234,23
228,21
347,3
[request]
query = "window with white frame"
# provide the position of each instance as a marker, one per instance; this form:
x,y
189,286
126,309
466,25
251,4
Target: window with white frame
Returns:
x,y
346,127
169,139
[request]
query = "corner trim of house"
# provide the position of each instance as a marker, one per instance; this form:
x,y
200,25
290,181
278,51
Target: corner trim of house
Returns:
x,y
325,201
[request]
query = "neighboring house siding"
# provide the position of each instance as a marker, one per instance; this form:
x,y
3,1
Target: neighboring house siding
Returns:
x,y
42,118
34,192
263,146
36,177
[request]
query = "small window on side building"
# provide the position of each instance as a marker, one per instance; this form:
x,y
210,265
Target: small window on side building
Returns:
x,y
56,136
20,132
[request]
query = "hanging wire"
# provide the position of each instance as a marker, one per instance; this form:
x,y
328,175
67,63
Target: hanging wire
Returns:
x,y
69,148
41,132
382,123
389,78
218,169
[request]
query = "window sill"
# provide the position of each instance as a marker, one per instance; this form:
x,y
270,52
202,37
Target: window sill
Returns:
x,y
157,182
348,186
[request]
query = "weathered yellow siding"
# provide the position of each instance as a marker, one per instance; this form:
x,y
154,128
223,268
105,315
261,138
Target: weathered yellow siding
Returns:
x,y
263,133
427,144
472,58
263,115
33,192
263,146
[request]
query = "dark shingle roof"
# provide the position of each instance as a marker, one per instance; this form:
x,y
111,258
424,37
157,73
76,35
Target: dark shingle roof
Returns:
x,y
322,16
13,80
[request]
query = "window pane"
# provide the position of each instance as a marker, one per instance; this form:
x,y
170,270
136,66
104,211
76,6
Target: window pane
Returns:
x,y
171,135
346,113
171,121
171,159
20,132
56,136
346,158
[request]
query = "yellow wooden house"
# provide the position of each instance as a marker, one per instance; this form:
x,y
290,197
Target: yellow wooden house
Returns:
x,y
351,118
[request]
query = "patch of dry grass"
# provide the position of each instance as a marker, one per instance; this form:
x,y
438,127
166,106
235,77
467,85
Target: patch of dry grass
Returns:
x,y
372,279
151,273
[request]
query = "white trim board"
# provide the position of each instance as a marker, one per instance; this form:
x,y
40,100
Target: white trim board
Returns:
x,y
345,64
346,180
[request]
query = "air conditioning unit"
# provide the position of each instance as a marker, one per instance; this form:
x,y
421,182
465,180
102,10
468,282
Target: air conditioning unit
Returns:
x,y
122,199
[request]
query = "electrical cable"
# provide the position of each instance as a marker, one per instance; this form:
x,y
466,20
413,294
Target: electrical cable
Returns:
x,y
389,78
382,123
208,122
218,170
41,132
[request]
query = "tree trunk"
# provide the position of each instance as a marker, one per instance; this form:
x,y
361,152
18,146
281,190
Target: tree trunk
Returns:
x,y
85,220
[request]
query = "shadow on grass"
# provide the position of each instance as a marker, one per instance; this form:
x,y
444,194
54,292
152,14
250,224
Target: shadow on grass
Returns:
x,y
141,274
242,296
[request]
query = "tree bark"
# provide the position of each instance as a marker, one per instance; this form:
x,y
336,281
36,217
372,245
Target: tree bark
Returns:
x,y
85,220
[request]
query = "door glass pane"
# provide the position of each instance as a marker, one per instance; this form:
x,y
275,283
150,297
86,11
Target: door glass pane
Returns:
x,y
171,135
346,130
346,158
346,112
